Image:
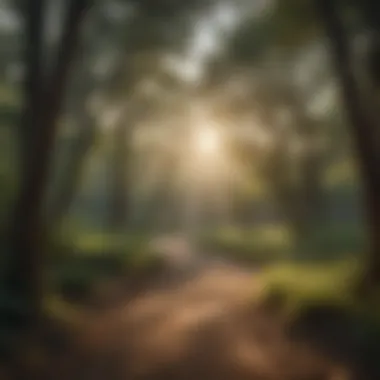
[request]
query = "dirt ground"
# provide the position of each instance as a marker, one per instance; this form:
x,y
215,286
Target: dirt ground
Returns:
x,y
195,324
202,327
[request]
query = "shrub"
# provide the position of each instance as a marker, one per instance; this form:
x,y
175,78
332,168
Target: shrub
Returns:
x,y
76,266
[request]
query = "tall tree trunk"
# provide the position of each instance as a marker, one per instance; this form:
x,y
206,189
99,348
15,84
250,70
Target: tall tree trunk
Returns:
x,y
312,189
25,273
309,189
370,10
363,129
285,191
68,182
119,162
33,89
120,174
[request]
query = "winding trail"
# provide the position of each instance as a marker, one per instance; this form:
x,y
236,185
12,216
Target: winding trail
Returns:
x,y
199,325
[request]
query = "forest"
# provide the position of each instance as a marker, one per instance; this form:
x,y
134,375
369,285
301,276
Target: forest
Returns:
x,y
190,189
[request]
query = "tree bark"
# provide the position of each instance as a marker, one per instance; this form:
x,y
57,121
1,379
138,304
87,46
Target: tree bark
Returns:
x,y
309,190
33,78
119,175
25,274
68,181
120,160
363,128
118,207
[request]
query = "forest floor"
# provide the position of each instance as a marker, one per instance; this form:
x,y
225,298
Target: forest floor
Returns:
x,y
195,321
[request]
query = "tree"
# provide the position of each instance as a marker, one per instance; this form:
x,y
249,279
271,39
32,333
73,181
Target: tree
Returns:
x,y
42,104
120,171
104,39
363,129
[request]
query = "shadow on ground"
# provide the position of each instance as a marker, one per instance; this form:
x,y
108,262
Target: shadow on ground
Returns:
x,y
199,328
194,321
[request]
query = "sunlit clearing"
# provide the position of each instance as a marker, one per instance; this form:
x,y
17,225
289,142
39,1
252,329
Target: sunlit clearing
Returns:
x,y
208,141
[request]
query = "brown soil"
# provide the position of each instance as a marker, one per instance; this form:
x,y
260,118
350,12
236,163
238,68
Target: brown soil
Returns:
x,y
201,328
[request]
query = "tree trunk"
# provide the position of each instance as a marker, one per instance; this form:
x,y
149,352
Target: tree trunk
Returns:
x,y
313,190
25,275
363,129
370,10
120,174
68,181
287,194
119,163
33,79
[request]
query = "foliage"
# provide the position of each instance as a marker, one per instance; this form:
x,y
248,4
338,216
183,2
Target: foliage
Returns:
x,y
261,244
87,259
332,241
135,74
310,282
318,300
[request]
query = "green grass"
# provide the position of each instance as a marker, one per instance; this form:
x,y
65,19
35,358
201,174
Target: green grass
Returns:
x,y
305,293
272,243
302,284
299,286
256,245
79,262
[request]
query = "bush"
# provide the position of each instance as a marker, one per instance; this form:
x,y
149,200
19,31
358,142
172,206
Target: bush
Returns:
x,y
77,265
333,242
257,245
304,285
318,303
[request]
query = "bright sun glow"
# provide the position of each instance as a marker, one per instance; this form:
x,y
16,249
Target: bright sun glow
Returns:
x,y
208,141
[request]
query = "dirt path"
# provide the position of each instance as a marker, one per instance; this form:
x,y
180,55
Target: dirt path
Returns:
x,y
199,327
